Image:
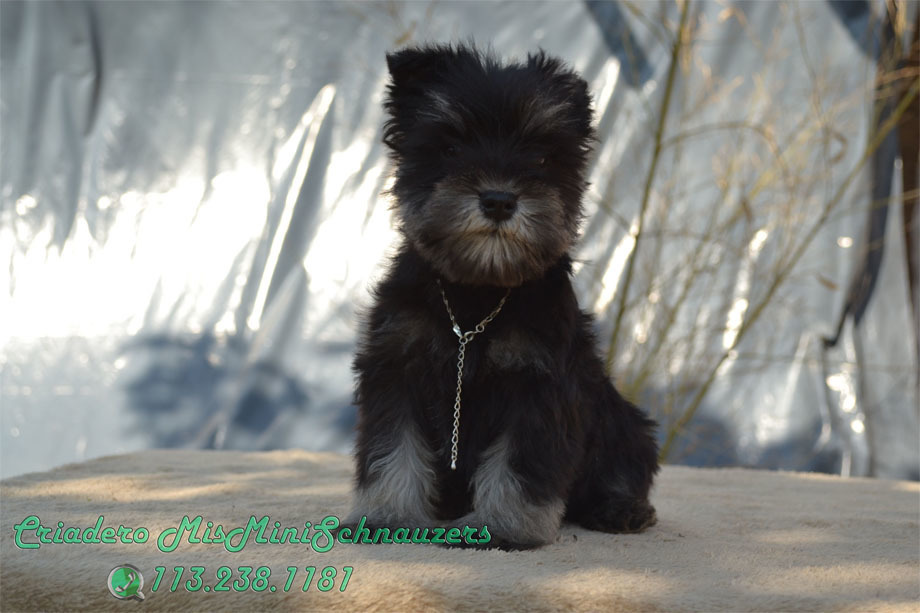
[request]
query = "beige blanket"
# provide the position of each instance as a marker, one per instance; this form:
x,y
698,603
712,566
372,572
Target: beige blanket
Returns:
x,y
733,540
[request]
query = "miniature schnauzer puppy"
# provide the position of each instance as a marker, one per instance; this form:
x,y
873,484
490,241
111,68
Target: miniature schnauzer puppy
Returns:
x,y
481,396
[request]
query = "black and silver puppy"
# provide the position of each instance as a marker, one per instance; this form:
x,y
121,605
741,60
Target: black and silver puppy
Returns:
x,y
482,399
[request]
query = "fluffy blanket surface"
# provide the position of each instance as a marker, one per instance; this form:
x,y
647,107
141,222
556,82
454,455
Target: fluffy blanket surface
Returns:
x,y
738,540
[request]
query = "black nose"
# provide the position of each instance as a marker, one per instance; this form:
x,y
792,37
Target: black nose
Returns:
x,y
498,206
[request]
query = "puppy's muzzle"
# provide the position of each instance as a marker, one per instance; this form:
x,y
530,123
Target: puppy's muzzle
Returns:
x,y
498,206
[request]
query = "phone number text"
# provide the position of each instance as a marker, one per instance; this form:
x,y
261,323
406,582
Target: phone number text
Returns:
x,y
247,578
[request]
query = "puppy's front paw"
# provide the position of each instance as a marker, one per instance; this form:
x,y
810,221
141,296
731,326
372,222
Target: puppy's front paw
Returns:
x,y
377,527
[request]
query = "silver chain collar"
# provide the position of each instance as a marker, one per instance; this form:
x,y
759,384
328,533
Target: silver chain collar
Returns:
x,y
465,337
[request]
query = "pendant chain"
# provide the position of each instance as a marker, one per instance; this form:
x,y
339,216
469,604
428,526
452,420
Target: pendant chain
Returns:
x,y
465,337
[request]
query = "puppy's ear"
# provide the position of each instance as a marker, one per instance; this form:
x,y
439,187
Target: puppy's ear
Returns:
x,y
414,71
416,67
566,84
561,76
577,91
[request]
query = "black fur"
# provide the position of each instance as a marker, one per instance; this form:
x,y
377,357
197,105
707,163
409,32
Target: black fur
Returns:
x,y
541,428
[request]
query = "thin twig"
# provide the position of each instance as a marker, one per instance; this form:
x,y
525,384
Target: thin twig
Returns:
x,y
787,267
659,138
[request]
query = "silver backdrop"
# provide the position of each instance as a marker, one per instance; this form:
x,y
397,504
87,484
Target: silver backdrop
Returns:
x,y
192,215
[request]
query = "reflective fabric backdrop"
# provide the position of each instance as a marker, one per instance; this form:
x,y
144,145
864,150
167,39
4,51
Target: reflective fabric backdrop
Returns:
x,y
193,212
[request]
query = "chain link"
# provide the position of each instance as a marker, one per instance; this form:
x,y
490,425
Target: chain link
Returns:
x,y
465,337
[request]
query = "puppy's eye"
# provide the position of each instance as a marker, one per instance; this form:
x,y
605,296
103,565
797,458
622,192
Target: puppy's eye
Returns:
x,y
450,151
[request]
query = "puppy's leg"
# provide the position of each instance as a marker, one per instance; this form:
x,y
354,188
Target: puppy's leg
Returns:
x,y
395,476
621,459
612,494
396,480
502,502
611,490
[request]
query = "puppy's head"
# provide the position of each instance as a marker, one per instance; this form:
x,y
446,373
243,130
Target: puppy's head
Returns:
x,y
489,160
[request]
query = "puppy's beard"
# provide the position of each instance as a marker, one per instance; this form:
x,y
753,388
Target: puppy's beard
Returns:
x,y
461,243
497,255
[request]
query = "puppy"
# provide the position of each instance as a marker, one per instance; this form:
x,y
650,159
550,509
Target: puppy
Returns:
x,y
482,399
